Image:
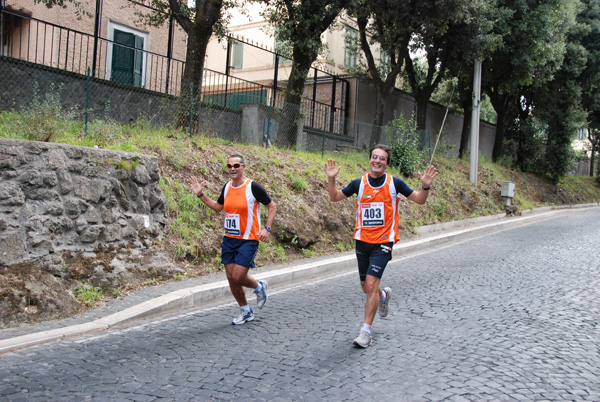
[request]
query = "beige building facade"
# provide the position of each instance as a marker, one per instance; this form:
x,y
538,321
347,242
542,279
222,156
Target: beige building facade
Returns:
x,y
340,56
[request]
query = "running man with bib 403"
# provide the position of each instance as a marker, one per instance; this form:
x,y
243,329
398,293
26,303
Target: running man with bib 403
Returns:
x,y
240,199
376,228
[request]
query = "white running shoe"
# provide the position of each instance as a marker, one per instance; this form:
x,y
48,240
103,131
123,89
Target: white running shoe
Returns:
x,y
364,339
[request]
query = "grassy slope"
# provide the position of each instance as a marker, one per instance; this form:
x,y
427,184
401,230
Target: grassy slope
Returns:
x,y
307,224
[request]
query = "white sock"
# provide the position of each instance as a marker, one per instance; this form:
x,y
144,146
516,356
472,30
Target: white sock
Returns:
x,y
258,288
245,309
366,327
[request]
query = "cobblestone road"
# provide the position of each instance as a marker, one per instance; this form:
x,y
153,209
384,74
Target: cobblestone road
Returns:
x,y
513,316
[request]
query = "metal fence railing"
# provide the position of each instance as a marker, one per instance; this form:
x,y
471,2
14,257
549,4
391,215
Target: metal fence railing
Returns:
x,y
51,45
250,116
107,79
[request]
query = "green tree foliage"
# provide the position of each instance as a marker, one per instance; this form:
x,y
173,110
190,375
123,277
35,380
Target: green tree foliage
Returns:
x,y
380,25
589,19
542,116
424,36
454,33
558,104
525,139
533,46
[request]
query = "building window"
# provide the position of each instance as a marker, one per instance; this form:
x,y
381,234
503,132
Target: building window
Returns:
x,y
16,32
351,48
237,57
582,134
126,58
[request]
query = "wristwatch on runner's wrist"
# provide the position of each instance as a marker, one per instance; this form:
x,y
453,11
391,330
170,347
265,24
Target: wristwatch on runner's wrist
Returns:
x,y
268,228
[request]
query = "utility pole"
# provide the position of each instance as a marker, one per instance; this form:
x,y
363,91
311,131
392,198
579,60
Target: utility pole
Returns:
x,y
2,28
474,142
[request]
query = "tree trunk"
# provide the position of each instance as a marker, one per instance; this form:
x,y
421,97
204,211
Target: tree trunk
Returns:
x,y
422,99
288,126
382,93
592,160
522,155
498,150
191,81
467,105
199,31
499,102
592,140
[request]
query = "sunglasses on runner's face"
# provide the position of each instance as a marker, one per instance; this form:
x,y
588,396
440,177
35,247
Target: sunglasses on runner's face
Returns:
x,y
234,166
381,158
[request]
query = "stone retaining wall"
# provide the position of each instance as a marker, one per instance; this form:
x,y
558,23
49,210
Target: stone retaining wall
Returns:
x,y
57,197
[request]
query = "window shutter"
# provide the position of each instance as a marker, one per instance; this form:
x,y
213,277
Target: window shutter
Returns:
x,y
138,61
122,57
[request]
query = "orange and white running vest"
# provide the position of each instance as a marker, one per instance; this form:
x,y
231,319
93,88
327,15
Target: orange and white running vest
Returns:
x,y
377,212
242,212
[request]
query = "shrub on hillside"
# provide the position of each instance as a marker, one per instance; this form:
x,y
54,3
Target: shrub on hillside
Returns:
x,y
404,140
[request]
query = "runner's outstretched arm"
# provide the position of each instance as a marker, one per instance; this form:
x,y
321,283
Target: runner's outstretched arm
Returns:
x,y
197,188
332,170
427,178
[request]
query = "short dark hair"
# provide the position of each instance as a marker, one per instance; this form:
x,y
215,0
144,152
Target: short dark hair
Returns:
x,y
383,147
238,156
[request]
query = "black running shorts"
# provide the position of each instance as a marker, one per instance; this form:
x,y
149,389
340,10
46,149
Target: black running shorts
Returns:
x,y
372,258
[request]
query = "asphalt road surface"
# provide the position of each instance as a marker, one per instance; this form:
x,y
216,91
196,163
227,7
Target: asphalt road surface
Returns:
x,y
512,316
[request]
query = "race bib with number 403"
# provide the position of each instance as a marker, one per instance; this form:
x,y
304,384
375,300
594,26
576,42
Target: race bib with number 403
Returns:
x,y
372,214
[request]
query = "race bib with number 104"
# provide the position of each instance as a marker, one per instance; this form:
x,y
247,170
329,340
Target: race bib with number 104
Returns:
x,y
372,214
232,224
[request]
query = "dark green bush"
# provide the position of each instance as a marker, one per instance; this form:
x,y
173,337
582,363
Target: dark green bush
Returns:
x,y
404,140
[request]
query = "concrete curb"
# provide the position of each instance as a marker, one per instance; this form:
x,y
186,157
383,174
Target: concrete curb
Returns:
x,y
435,236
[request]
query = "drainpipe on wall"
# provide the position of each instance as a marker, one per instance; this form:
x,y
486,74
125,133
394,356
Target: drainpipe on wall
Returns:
x,y
347,101
314,99
276,72
169,52
355,113
227,67
331,119
2,28
97,22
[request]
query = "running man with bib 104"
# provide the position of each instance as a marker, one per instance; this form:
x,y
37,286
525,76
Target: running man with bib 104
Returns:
x,y
240,199
376,230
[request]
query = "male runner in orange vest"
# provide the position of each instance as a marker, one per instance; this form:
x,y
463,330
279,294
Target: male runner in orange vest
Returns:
x,y
240,199
376,230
